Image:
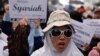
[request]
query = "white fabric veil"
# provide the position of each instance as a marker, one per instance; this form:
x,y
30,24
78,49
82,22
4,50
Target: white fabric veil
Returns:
x,y
49,50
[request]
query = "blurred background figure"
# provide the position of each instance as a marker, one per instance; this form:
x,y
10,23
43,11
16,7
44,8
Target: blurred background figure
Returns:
x,y
6,26
18,41
95,38
3,44
69,8
97,13
35,38
78,13
6,16
95,51
54,5
88,14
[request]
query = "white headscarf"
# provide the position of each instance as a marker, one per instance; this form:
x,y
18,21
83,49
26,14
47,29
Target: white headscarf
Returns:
x,y
49,50
57,18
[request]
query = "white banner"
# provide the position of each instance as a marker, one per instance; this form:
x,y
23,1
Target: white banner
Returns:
x,y
33,9
83,35
95,23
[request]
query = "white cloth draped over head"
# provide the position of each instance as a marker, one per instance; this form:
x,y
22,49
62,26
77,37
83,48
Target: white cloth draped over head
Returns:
x,y
3,42
49,50
57,18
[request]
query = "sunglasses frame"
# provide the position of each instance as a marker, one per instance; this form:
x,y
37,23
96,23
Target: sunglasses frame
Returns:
x,y
61,32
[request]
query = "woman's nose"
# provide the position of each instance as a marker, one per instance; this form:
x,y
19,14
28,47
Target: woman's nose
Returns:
x,y
62,37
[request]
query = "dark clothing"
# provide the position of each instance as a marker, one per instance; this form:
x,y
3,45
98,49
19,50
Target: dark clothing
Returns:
x,y
43,25
94,42
6,27
76,16
18,42
38,42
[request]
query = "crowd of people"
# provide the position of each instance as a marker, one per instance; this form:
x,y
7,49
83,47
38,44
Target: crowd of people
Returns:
x,y
27,38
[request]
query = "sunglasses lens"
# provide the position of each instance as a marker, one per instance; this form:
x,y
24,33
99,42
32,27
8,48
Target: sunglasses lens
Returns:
x,y
55,32
68,33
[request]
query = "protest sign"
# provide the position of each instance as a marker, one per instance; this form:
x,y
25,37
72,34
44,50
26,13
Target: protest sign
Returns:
x,y
95,23
83,35
33,9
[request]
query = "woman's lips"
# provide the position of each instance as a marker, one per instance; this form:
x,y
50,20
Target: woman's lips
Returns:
x,y
61,45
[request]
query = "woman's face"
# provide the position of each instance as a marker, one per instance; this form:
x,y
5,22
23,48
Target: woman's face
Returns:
x,y
97,14
60,37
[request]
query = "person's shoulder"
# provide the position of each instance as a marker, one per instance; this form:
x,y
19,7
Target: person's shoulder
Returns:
x,y
76,51
38,52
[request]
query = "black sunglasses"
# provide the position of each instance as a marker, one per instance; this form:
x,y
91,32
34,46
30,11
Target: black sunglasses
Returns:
x,y
57,32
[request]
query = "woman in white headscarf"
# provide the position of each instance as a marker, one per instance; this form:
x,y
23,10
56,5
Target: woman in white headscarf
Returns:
x,y
58,41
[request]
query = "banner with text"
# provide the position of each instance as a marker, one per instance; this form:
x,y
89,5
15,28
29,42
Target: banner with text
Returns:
x,y
95,23
33,9
83,35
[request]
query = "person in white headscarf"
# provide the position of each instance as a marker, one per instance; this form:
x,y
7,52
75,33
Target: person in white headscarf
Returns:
x,y
58,41
3,44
